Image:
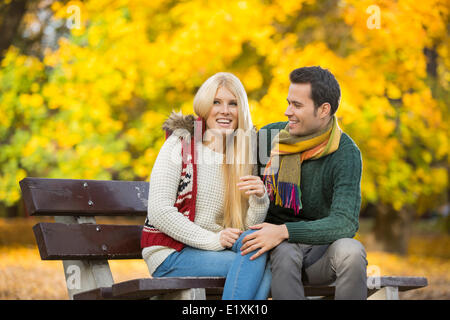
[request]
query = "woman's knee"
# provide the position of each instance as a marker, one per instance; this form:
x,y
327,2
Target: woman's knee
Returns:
x,y
238,244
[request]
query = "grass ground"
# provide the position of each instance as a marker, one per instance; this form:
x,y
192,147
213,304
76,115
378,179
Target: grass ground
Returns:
x,y
23,275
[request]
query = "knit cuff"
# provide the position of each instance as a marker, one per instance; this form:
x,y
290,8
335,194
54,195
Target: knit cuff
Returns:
x,y
217,246
296,233
255,201
300,233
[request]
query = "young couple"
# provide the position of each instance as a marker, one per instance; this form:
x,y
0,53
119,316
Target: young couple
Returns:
x,y
210,214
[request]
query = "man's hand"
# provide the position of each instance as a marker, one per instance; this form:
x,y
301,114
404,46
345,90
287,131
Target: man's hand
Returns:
x,y
267,237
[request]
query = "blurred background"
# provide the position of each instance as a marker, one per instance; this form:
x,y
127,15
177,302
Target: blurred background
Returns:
x,y
86,85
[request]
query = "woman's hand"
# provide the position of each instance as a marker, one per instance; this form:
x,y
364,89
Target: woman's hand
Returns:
x,y
229,236
252,185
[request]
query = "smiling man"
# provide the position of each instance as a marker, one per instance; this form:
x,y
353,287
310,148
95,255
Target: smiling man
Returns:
x,y
313,178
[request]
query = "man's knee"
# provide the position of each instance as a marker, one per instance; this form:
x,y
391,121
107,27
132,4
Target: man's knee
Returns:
x,y
286,256
349,252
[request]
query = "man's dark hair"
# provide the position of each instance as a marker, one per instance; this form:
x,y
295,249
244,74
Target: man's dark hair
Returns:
x,y
324,86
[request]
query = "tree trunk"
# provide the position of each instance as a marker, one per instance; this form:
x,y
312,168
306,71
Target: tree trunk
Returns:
x,y
12,16
392,228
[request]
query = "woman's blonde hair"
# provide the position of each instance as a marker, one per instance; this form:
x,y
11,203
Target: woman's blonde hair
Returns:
x,y
235,204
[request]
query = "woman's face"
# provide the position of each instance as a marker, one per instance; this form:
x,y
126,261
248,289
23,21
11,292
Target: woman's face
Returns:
x,y
223,115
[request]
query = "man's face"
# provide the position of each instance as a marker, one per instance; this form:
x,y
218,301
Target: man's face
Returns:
x,y
303,119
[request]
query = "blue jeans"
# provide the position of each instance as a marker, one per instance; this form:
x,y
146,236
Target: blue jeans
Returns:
x,y
245,279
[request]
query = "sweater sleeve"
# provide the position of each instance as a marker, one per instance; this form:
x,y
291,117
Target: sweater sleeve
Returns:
x,y
162,213
342,222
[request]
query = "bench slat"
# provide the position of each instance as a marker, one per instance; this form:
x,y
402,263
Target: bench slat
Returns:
x,y
103,293
404,283
60,241
68,197
149,287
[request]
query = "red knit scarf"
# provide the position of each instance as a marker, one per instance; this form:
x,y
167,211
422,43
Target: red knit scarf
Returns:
x,y
186,197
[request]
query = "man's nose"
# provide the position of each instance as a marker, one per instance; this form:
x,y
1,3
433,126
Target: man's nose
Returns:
x,y
288,111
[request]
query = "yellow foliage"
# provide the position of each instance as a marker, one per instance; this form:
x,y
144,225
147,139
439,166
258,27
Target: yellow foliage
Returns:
x,y
106,89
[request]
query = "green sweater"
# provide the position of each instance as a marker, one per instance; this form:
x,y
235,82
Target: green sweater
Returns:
x,y
331,194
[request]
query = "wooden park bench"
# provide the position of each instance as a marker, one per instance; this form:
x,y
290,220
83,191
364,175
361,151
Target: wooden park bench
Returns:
x,y
85,246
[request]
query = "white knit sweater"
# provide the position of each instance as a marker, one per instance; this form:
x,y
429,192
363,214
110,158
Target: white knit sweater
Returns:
x,y
204,232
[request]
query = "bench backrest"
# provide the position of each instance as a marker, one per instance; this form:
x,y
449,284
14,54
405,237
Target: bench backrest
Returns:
x,y
73,197
85,198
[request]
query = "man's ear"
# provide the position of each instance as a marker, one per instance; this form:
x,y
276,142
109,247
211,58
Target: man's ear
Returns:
x,y
324,110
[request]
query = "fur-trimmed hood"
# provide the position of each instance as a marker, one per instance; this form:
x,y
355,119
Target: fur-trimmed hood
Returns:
x,y
179,124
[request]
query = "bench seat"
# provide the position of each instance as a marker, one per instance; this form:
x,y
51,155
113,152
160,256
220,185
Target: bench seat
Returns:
x,y
149,287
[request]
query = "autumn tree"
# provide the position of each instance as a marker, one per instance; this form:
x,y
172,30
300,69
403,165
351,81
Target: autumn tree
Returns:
x,y
91,104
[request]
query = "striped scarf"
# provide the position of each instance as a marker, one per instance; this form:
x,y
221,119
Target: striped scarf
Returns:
x,y
282,174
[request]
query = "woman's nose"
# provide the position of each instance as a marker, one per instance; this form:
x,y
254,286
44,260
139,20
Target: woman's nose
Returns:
x,y
225,108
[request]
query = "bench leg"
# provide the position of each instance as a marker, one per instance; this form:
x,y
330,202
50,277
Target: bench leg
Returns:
x,y
84,275
189,294
385,293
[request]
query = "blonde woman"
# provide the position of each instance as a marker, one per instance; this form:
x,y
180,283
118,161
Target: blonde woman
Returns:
x,y
203,196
